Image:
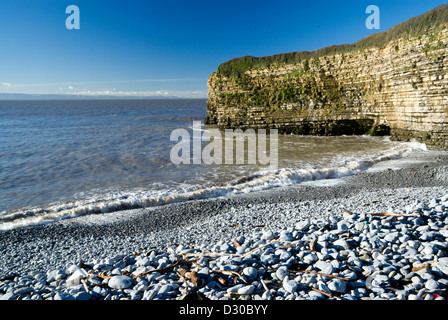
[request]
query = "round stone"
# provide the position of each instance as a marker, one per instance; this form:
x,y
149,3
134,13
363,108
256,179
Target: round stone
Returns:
x,y
120,282
235,288
323,287
314,295
325,267
63,296
268,235
302,225
285,255
250,272
428,250
285,235
83,296
246,289
309,258
360,226
342,226
289,285
338,285
431,284
416,279
165,288
281,273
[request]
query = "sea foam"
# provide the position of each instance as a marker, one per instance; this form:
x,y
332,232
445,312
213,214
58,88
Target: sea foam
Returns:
x,y
261,180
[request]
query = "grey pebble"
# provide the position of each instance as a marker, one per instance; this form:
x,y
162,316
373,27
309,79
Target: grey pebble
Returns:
x,y
120,282
289,285
281,273
63,296
324,267
250,272
249,289
431,284
372,253
302,225
338,285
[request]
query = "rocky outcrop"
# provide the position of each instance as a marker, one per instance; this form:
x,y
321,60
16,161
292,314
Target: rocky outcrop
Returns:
x,y
400,89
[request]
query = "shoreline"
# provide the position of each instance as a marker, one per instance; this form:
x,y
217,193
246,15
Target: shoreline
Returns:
x,y
197,223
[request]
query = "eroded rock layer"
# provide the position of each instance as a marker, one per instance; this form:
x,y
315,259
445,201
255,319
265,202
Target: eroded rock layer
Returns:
x,y
400,90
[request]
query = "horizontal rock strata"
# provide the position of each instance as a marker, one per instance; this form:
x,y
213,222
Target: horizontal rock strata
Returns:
x,y
400,90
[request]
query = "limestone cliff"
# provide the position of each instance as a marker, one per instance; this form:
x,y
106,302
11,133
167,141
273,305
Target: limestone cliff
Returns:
x,y
399,89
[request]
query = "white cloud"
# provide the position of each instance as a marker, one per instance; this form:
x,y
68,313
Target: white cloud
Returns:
x,y
76,88
164,93
96,82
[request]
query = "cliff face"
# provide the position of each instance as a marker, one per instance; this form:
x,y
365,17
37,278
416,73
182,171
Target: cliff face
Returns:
x,y
400,89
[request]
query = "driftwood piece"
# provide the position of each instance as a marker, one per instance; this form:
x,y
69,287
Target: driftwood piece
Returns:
x,y
101,276
182,273
236,243
231,273
381,214
209,254
385,214
318,273
425,266
214,254
177,263
221,280
323,292
84,283
194,277
313,245
264,285
258,248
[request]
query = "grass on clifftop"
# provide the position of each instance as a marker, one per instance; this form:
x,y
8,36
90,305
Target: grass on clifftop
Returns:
x,y
414,27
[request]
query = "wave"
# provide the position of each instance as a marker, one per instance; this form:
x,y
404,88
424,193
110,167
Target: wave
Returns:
x,y
258,181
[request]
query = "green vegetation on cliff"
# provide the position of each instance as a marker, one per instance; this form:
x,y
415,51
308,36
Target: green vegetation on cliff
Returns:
x,y
430,22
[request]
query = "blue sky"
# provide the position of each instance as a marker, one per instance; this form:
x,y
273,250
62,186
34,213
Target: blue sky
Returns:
x,y
145,47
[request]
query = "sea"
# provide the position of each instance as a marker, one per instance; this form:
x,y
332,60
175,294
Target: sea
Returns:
x,y
63,159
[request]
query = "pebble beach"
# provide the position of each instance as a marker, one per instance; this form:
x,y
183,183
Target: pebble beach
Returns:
x,y
381,234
